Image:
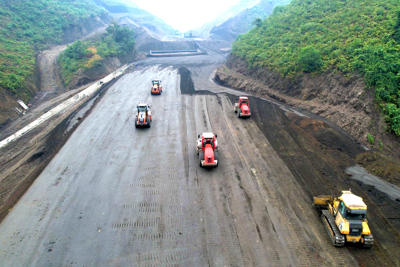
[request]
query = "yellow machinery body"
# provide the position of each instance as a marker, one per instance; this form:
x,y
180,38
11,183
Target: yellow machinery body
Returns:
x,y
345,218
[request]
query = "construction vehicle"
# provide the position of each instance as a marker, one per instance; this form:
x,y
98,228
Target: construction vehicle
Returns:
x,y
207,149
242,107
156,88
144,116
345,219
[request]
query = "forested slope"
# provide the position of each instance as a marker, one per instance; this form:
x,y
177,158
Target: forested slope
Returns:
x,y
344,36
29,26
82,56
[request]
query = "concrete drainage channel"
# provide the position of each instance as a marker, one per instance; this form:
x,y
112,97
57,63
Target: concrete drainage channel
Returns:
x,y
34,146
175,53
74,101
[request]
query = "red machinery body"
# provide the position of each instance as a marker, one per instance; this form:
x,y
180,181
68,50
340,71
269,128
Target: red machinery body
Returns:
x,y
242,107
156,88
207,149
144,116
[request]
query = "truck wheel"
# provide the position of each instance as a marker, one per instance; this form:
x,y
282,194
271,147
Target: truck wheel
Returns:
x,y
149,125
216,157
201,157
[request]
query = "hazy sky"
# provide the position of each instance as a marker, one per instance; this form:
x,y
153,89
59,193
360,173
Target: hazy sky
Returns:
x,y
184,15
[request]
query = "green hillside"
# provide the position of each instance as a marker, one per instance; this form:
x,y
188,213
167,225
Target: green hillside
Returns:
x,y
116,42
350,36
27,26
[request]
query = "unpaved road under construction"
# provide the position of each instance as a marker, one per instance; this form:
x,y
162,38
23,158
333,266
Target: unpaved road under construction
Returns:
x,y
115,195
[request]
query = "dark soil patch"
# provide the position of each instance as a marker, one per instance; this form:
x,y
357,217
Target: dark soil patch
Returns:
x,y
381,165
187,85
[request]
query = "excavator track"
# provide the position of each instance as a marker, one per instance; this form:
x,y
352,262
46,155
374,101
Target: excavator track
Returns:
x,y
368,241
328,220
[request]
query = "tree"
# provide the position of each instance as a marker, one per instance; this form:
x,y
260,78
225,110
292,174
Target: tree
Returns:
x,y
77,50
310,59
123,36
396,34
257,22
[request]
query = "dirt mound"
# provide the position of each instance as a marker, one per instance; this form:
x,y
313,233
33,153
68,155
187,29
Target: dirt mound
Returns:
x,y
307,124
381,165
326,135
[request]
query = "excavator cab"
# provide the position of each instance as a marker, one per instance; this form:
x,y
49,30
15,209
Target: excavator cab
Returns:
x,y
244,101
156,82
142,108
208,141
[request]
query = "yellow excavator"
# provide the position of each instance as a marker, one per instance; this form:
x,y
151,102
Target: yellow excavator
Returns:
x,y
345,219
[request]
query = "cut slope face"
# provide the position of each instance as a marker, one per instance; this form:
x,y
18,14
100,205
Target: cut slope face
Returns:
x,y
349,37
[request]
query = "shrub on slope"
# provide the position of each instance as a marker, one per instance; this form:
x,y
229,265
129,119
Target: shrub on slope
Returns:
x,y
117,42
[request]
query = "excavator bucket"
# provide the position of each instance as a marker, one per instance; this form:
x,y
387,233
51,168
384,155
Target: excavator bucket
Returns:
x,y
322,201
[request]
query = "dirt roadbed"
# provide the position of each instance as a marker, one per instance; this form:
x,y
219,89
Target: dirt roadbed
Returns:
x,y
23,160
255,209
318,154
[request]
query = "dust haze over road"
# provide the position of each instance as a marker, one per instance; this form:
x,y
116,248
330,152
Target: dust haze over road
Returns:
x,y
115,195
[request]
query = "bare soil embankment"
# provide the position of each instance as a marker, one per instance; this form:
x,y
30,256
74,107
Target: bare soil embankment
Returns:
x,y
342,100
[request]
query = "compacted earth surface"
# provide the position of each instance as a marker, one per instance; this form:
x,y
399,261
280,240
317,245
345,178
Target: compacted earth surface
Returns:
x,y
88,188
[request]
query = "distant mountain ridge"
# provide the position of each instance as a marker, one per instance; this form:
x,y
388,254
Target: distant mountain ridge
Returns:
x,y
137,17
243,21
204,30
